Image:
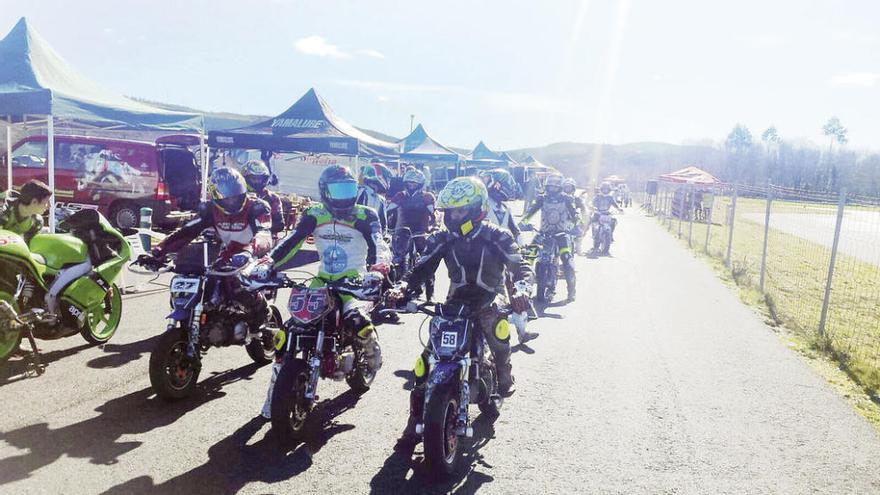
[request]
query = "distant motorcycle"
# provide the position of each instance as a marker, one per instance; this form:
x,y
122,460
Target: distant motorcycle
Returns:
x,y
315,345
462,372
602,234
205,313
404,256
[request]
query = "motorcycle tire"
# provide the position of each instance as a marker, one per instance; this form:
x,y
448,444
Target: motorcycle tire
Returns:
x,y
262,350
103,321
488,405
9,339
171,379
290,408
440,441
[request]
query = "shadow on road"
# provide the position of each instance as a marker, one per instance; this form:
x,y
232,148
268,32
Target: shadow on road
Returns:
x,y
409,378
391,478
17,368
97,438
116,355
232,463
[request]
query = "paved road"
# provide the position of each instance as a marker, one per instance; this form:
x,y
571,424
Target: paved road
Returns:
x,y
656,381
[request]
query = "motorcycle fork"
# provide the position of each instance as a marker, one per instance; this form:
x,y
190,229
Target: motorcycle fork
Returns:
x,y
462,427
315,364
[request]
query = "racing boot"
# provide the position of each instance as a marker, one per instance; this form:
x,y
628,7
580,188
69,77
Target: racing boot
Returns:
x,y
410,438
520,320
370,350
266,412
505,379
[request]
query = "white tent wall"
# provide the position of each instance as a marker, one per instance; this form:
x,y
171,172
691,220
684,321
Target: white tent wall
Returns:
x,y
298,173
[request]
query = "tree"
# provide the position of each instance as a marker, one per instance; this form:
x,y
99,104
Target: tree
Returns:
x,y
836,132
739,140
771,142
771,136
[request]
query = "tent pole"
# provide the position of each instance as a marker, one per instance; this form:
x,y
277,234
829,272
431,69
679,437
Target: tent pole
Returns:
x,y
50,137
9,155
203,150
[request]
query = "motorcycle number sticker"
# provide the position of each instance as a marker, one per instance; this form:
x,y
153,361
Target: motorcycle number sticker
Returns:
x,y
297,302
449,339
185,285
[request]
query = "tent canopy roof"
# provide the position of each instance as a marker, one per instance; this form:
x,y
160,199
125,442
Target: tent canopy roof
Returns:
x,y
420,145
482,152
690,175
309,125
35,80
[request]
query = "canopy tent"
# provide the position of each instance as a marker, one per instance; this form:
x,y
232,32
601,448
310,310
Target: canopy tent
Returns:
x,y
308,126
532,162
419,146
614,179
691,175
509,159
483,156
35,80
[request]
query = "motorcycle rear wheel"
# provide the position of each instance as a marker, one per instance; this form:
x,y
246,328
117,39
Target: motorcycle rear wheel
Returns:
x,y
103,320
440,440
9,340
290,408
172,377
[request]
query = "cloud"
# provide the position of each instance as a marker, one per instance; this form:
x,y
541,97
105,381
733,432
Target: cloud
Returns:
x,y
856,80
766,40
319,47
371,53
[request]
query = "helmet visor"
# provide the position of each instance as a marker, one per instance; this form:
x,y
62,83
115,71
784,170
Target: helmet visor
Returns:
x,y
231,204
257,182
342,190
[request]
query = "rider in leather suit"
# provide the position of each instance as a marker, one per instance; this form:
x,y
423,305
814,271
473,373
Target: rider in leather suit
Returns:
x,y
413,208
602,204
559,218
257,176
477,255
375,186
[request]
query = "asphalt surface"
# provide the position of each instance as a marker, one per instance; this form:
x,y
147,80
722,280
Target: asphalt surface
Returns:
x,y
657,380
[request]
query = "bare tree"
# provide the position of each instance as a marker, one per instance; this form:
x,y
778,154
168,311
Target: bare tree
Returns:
x,y
836,132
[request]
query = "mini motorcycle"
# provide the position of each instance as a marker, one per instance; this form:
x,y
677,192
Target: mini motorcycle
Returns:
x,y
90,305
602,234
209,308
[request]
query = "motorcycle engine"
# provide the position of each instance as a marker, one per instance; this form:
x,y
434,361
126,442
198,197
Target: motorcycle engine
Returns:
x,y
226,325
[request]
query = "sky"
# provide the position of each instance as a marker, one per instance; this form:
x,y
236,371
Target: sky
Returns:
x,y
512,73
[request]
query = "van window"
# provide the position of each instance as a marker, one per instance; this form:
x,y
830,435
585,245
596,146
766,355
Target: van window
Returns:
x,y
100,166
31,154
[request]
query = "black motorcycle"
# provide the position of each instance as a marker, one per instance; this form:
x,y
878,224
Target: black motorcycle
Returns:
x,y
462,372
404,255
209,308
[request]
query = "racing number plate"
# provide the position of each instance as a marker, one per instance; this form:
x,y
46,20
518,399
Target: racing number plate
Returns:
x,y
308,305
185,285
449,339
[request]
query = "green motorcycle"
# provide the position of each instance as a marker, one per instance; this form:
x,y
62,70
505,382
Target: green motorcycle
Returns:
x,y
90,304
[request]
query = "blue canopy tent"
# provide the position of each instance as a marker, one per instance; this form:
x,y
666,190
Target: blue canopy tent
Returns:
x,y
308,126
35,80
482,158
419,147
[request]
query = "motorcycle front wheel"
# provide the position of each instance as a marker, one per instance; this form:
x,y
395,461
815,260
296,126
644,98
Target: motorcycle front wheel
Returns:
x,y
102,321
440,439
262,350
361,377
172,374
290,407
9,338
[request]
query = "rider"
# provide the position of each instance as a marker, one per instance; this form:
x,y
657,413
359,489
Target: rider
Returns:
x,y
241,224
371,193
602,203
503,187
569,186
349,240
476,254
559,216
413,208
22,212
257,176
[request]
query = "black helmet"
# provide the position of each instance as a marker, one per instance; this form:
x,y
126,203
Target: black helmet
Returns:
x,y
228,190
256,174
338,189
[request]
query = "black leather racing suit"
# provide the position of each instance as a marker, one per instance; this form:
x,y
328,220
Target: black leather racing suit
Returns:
x,y
476,265
559,214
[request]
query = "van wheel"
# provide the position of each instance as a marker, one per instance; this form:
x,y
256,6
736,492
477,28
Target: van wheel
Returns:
x,y
125,216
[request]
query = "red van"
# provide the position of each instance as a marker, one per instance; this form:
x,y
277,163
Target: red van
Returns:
x,y
116,176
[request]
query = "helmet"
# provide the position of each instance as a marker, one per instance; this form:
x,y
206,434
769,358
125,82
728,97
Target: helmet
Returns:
x,y
465,203
605,188
256,174
553,184
413,180
228,189
338,189
500,184
569,186
375,177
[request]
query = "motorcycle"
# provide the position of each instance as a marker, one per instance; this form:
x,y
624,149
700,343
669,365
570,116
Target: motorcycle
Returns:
x,y
461,371
404,255
90,305
315,345
602,234
547,265
205,313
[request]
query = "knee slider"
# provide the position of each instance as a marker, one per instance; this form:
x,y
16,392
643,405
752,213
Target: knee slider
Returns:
x,y
421,367
502,330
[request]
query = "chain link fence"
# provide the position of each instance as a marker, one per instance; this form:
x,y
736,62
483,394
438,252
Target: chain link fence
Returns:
x,y
814,256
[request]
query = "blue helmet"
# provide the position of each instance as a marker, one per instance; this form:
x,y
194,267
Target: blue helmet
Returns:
x,y
338,189
228,189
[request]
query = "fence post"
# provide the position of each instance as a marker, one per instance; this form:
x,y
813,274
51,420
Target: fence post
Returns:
x,y
731,220
823,317
766,233
691,215
680,208
709,220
